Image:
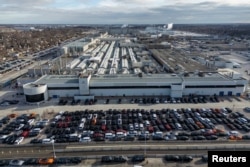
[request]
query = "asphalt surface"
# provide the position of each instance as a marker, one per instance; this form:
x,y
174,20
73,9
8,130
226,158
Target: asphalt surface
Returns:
x,y
95,149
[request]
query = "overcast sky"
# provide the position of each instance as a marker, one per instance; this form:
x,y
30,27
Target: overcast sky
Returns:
x,y
123,11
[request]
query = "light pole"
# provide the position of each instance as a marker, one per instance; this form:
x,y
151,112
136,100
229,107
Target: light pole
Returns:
x,y
54,153
145,143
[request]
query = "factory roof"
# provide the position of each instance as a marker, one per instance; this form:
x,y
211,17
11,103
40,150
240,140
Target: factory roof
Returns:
x,y
58,79
131,80
78,43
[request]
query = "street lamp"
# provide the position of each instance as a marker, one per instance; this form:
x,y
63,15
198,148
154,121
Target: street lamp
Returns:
x,y
145,143
54,153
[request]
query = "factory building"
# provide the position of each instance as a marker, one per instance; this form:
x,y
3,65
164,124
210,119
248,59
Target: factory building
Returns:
x,y
225,82
120,67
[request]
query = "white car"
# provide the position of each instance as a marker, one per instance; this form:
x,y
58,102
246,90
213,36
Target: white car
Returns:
x,y
19,140
47,141
85,139
20,127
16,162
31,121
2,137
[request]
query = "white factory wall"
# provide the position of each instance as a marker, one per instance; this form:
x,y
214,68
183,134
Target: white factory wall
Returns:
x,y
212,91
63,84
32,90
63,93
129,92
84,85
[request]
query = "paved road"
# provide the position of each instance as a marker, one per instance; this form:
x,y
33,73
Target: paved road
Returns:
x,y
95,149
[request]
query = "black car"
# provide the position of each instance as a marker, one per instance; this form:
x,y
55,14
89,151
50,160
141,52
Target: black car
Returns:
x,y
4,162
182,137
212,137
186,158
120,159
199,138
204,158
138,158
246,137
129,138
75,160
157,137
35,141
143,137
107,159
173,158
99,139
62,161
31,161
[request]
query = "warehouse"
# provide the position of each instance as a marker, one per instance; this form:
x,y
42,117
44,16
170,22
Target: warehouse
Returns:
x,y
85,86
120,67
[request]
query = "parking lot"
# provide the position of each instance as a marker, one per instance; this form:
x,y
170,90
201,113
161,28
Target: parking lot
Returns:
x,y
129,124
127,119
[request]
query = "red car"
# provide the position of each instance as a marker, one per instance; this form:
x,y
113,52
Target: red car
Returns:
x,y
25,134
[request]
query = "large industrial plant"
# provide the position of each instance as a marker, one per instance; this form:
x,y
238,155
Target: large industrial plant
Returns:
x,y
118,65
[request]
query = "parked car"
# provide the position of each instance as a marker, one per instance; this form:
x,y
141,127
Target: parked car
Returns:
x,y
138,158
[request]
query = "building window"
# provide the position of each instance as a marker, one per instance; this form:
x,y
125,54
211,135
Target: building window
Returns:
x,y
62,88
211,86
127,87
35,98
